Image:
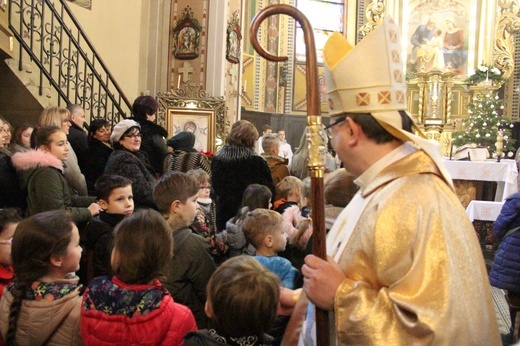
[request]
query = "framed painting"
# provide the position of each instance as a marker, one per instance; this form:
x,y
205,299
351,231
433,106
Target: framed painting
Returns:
x,y
199,122
186,36
194,110
233,40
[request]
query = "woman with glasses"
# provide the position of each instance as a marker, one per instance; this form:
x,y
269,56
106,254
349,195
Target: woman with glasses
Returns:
x,y
130,162
99,150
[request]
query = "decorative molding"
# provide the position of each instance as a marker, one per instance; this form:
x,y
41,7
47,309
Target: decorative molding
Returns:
x,y
374,14
508,24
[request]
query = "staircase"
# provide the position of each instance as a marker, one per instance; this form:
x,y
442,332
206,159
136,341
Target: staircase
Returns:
x,y
58,64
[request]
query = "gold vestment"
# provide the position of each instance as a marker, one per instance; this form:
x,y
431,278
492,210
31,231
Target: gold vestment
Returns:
x,y
414,267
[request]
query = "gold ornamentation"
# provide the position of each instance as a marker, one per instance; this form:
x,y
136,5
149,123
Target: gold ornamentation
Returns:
x,y
193,98
508,25
375,14
316,142
363,99
384,97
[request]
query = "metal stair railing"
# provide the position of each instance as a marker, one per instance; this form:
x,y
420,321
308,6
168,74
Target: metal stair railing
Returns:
x,y
53,40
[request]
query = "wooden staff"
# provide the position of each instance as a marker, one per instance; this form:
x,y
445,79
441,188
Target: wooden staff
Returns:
x,y
315,138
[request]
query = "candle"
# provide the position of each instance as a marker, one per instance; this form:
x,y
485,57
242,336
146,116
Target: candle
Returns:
x,y
179,82
487,76
245,85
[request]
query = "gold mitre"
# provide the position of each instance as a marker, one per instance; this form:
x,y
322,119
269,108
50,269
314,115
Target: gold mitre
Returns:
x,y
369,78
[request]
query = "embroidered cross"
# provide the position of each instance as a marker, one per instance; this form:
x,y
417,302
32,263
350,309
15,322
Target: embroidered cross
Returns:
x,y
384,97
363,99
393,36
400,96
398,76
395,56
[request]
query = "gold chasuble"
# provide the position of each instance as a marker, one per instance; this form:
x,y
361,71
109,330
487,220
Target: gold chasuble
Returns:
x,y
415,272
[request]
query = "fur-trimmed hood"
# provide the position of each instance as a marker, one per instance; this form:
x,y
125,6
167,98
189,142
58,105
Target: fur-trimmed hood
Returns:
x,y
28,162
33,159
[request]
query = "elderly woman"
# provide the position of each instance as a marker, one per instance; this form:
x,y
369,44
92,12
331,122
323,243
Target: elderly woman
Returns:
x,y
99,150
60,117
130,162
185,157
234,168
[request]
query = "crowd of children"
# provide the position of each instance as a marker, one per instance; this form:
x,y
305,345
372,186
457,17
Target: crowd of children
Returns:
x,y
146,277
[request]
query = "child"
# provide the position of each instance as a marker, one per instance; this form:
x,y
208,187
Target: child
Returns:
x,y
9,219
277,164
115,198
43,304
288,191
132,307
242,301
40,173
255,196
192,265
264,229
205,220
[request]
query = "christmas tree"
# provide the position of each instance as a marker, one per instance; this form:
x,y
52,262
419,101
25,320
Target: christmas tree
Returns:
x,y
483,125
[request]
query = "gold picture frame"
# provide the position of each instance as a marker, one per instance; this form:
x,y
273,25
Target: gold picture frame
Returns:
x,y
195,110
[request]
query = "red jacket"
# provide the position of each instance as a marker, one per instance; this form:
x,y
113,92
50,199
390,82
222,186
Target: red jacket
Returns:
x,y
114,313
6,277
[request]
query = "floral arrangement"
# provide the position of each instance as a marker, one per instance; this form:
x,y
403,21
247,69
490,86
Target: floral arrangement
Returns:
x,y
485,73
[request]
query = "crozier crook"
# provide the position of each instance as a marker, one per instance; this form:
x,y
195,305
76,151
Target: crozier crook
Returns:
x,y
315,142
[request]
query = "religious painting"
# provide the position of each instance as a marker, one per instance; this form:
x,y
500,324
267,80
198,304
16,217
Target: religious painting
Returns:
x,y
439,35
186,36
200,123
233,40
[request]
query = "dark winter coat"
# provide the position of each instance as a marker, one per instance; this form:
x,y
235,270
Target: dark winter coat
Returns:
x,y
134,166
79,142
153,142
100,241
116,313
505,272
189,272
233,169
98,154
11,195
42,180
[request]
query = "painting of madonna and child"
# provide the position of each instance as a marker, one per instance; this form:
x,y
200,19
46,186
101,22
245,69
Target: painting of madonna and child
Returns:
x,y
438,34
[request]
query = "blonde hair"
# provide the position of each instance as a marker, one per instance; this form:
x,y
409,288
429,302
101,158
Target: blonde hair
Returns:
x,y
260,223
54,116
340,188
288,184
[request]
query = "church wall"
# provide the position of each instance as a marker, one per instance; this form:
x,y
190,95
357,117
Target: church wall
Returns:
x,y
118,29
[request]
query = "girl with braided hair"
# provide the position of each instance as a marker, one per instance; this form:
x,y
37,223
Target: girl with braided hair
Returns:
x,y
43,304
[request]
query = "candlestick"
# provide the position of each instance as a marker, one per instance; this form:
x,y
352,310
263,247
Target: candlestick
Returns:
x,y
499,145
